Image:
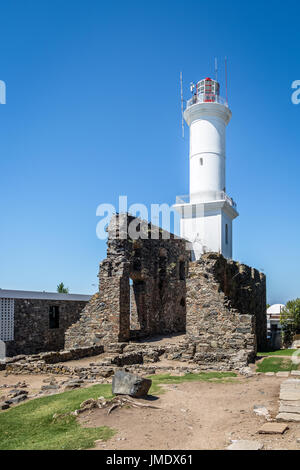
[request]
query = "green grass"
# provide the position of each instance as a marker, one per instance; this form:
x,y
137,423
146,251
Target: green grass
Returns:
x,y
157,380
31,425
279,352
276,364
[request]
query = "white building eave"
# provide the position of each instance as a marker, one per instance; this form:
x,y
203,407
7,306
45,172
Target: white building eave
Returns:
x,y
209,206
27,295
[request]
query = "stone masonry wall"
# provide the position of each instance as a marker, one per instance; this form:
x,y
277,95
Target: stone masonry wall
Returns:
x,y
141,290
226,311
32,333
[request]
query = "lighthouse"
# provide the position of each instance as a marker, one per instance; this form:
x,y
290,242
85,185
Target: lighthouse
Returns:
x,y
206,214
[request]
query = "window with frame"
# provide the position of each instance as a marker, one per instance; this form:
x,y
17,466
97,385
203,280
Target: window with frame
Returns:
x,y
53,317
7,319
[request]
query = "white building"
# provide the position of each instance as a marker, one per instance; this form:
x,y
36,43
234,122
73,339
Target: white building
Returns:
x,y
273,316
273,325
207,213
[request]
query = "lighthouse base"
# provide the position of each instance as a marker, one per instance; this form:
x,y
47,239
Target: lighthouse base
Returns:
x,y
207,226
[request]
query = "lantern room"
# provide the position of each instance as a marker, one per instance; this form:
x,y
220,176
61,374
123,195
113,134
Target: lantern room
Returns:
x,y
209,89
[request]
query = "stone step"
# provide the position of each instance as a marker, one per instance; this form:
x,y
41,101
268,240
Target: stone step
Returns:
x,y
289,417
291,381
289,396
245,445
295,372
289,409
273,428
293,403
282,374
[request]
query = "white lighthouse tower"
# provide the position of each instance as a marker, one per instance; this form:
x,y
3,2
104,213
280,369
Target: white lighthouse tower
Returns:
x,y
207,213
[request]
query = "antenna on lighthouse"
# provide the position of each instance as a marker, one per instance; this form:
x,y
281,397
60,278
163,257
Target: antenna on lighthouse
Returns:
x,y
216,69
181,97
226,80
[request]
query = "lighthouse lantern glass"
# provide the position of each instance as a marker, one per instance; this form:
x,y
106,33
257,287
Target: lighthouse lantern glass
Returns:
x,y
209,88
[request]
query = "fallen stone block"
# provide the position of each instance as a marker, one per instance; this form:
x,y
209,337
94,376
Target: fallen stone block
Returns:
x,y
15,400
247,371
73,384
261,410
4,406
15,393
273,428
50,387
245,445
124,383
270,374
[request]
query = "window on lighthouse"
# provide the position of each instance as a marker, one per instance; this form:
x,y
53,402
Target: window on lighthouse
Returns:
x,y
226,234
201,161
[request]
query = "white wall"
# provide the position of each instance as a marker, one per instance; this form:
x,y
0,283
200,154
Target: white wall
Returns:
x,y
203,232
207,152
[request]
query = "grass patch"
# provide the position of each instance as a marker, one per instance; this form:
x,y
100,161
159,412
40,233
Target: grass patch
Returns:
x,y
158,380
279,352
276,364
31,425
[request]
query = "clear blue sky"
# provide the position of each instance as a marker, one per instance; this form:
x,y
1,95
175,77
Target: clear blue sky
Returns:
x,y
93,111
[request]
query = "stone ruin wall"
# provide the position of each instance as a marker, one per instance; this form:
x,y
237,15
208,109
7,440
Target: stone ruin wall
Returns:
x,y
32,334
219,303
226,311
141,289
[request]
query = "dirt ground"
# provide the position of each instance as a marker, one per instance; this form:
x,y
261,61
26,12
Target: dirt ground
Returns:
x,y
191,415
197,415
34,382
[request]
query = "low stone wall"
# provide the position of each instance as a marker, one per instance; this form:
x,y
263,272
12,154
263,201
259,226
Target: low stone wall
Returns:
x,y
54,357
46,363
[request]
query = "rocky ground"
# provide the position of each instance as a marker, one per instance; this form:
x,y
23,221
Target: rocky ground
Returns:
x,y
191,415
194,415
199,416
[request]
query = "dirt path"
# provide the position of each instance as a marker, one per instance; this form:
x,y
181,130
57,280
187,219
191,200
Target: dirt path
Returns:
x,y
197,416
33,381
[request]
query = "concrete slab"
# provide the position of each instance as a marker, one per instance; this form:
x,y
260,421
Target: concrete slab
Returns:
x,y
282,374
273,428
289,396
289,408
292,404
295,372
288,417
246,445
291,381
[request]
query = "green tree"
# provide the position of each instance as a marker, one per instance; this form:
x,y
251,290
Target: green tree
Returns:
x,y
290,321
62,289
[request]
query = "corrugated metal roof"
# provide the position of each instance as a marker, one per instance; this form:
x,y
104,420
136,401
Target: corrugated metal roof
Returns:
x,y
24,294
